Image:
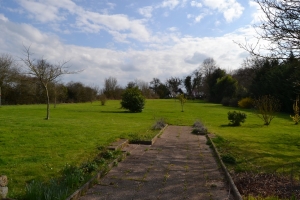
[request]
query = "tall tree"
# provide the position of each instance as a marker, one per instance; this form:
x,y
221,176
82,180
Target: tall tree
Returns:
x,y
280,27
154,84
173,84
44,72
111,88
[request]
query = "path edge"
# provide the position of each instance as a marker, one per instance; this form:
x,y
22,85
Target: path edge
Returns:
x,y
84,188
233,187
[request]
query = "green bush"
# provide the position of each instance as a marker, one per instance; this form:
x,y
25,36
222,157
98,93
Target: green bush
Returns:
x,y
246,103
236,118
133,100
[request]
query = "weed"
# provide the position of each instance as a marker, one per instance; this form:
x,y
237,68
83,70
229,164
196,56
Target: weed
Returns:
x,y
229,159
159,124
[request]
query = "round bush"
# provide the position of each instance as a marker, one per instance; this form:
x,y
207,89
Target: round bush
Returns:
x,y
246,103
133,100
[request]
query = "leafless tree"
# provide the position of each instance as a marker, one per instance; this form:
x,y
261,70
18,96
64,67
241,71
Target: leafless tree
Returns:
x,y
280,28
266,108
44,72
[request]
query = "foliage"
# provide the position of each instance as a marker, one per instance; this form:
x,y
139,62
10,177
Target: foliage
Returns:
x,y
111,88
133,100
159,124
229,159
173,84
225,101
199,128
72,177
182,100
266,108
296,109
246,103
236,118
225,86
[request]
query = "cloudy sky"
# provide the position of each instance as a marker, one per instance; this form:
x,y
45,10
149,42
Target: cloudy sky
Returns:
x,y
128,39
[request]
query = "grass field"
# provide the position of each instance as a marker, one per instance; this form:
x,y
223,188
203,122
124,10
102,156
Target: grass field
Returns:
x,y
34,148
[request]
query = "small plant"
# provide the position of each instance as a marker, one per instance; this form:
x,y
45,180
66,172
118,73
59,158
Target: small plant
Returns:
x,y
229,159
159,124
182,100
236,118
102,99
246,103
296,109
199,128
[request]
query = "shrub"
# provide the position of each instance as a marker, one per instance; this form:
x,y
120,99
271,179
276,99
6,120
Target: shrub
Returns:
x,y
236,118
103,99
199,128
266,108
246,103
133,100
296,109
225,101
233,102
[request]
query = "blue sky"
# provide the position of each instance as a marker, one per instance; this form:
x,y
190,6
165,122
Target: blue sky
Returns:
x,y
128,39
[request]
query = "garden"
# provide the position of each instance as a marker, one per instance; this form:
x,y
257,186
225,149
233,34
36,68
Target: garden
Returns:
x,y
34,149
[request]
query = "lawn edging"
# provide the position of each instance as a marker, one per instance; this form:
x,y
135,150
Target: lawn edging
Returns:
x,y
94,180
149,142
233,187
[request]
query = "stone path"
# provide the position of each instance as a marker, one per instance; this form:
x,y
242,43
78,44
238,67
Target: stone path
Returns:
x,y
179,165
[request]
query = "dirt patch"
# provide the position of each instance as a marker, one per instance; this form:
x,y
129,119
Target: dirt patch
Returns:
x,y
266,185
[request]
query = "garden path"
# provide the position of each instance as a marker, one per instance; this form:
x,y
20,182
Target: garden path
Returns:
x,y
179,165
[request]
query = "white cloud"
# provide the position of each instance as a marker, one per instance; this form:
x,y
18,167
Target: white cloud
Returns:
x,y
173,29
88,21
170,4
230,8
3,18
198,18
146,11
196,4
258,14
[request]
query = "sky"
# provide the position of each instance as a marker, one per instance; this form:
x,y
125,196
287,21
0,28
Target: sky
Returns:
x,y
128,39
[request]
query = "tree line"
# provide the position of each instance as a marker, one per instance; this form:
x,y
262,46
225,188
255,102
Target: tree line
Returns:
x,y
256,77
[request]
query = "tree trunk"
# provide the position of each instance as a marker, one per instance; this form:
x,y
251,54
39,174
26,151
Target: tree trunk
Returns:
x,y
48,103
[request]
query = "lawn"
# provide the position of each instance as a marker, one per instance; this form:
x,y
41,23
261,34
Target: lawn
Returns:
x,y
34,148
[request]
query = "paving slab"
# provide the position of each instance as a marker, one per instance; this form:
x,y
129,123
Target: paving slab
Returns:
x,y
179,165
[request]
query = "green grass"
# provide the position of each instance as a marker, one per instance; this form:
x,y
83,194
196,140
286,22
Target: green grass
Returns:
x,y
33,148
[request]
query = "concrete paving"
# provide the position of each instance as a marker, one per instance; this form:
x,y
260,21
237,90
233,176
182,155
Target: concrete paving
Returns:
x,y
179,165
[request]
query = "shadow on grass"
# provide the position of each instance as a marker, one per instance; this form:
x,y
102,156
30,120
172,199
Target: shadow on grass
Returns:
x,y
125,111
244,126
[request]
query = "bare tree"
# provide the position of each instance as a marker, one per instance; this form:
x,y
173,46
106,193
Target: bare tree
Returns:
x,y
266,108
280,27
44,72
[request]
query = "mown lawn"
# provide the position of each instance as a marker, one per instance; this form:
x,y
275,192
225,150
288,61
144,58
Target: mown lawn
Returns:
x,y
34,148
